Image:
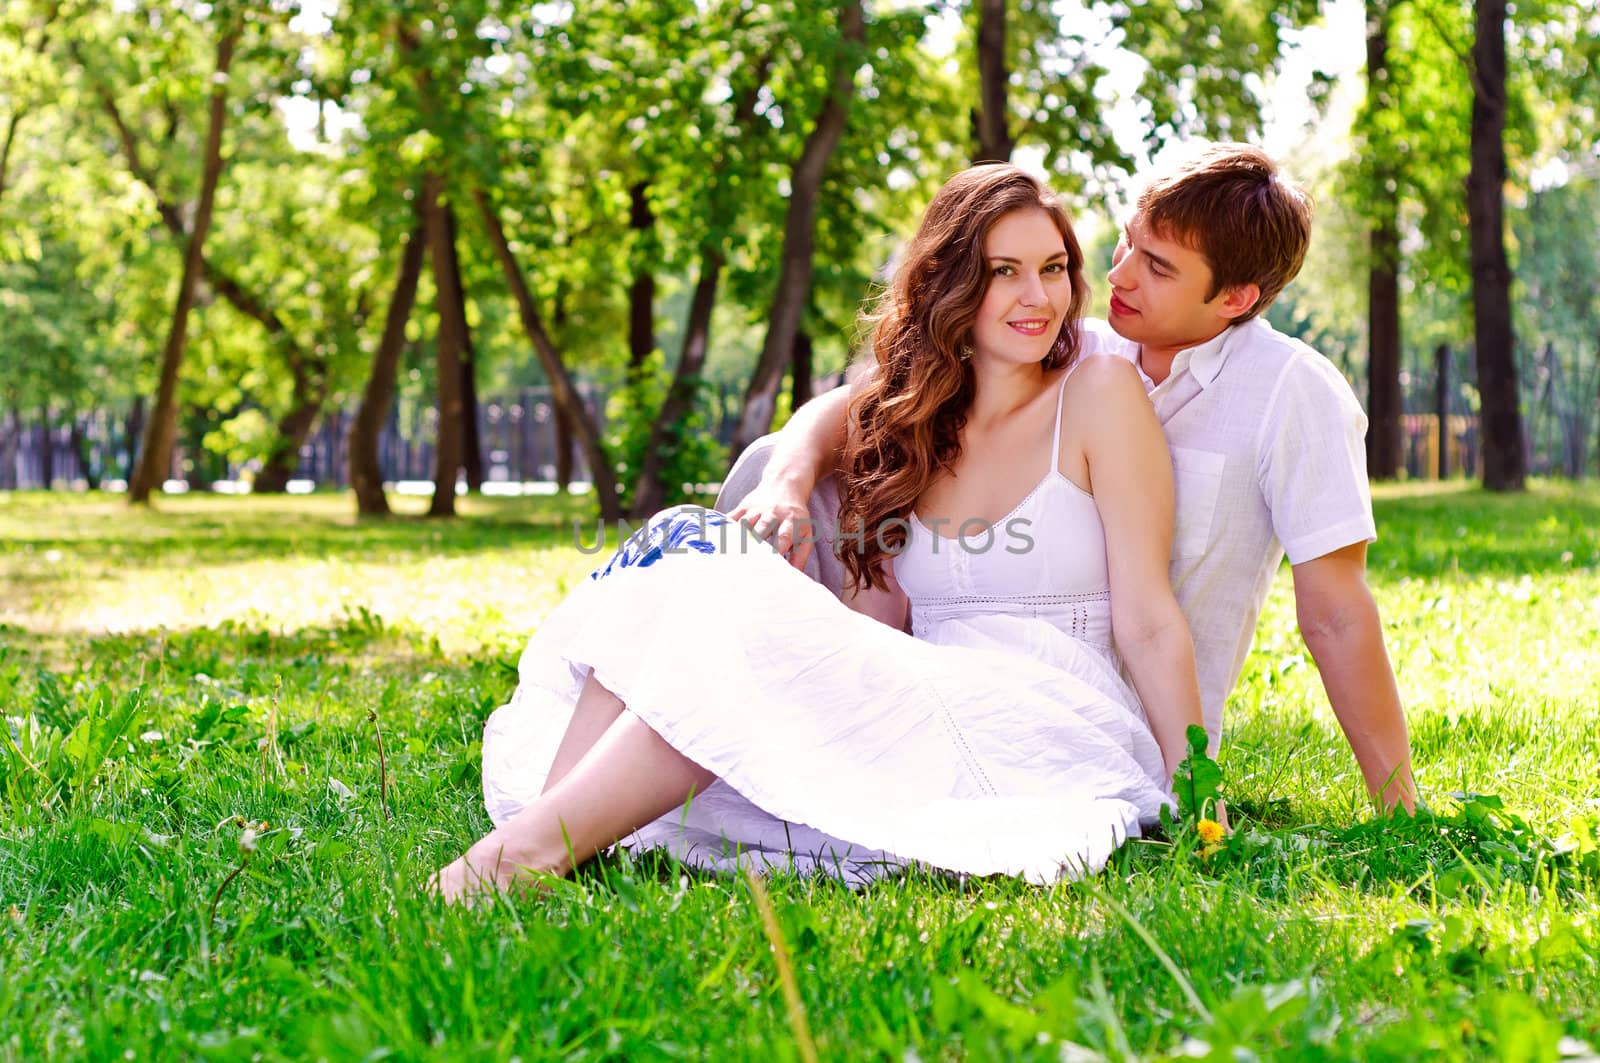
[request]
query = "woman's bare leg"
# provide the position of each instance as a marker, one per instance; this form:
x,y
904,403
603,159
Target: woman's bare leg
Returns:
x,y
629,777
597,710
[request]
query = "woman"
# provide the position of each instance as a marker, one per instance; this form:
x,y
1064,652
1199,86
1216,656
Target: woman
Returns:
x,y
700,694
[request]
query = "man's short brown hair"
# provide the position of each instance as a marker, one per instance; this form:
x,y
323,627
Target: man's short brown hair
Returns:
x,y
1230,204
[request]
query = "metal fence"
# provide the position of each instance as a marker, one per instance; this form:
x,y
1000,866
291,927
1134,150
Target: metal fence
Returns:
x,y
517,435
518,438
1560,419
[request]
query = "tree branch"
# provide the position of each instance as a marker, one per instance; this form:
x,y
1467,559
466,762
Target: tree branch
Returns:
x,y
17,115
795,269
1455,49
220,280
5,148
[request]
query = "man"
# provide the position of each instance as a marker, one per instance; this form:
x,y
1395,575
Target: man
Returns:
x,y
1266,440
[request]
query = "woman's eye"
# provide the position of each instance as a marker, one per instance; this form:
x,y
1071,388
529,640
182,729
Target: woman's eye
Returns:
x,y
1055,267
1003,271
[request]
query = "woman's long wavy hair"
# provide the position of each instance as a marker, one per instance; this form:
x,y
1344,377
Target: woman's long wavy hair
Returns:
x,y
905,425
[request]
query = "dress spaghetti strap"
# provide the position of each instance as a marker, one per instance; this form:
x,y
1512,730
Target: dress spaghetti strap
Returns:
x,y
1055,435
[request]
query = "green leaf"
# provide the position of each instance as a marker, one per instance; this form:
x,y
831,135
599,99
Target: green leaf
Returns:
x,y
1198,780
90,742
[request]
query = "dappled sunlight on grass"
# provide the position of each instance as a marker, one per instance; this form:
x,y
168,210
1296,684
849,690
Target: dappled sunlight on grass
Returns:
x,y
1498,662
171,677
88,565
1457,528
1491,607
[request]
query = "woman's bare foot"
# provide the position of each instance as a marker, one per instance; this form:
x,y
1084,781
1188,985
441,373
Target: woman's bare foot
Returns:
x,y
629,776
458,883
492,864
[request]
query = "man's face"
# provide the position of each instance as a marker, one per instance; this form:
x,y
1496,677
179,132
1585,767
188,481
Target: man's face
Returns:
x,y
1159,289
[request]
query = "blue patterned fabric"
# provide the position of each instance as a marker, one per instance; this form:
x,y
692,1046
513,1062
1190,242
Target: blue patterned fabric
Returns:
x,y
672,531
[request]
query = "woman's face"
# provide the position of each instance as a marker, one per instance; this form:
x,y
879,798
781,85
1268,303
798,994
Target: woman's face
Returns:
x,y
1030,289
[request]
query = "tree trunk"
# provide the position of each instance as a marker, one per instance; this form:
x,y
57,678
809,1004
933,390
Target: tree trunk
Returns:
x,y
1595,404
471,437
1573,432
1505,461
993,133
471,444
642,293
794,276
156,453
1544,410
301,363
366,474
10,446
451,341
1441,405
82,449
192,453
563,392
451,349
565,445
47,449
560,427
310,392
5,147
649,495
801,371
1572,419
293,430
1384,450
133,428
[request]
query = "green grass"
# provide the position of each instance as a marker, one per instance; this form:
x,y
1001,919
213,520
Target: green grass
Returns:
x,y
166,677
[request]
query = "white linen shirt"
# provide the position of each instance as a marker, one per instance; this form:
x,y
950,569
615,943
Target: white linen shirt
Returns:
x,y
1268,458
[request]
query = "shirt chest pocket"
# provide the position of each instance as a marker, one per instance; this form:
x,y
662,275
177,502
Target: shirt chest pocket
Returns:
x,y
1197,478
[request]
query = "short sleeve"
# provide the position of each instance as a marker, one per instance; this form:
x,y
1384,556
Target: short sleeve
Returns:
x,y
1312,462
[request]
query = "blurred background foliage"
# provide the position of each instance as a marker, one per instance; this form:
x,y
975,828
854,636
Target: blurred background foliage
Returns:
x,y
665,216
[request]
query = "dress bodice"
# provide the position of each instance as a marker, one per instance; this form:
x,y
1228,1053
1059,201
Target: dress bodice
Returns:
x,y
1044,561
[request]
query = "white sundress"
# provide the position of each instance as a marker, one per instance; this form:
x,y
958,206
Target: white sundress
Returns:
x,y
997,738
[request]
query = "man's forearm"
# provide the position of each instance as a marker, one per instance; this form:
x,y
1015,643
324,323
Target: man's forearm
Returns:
x,y
1361,687
808,447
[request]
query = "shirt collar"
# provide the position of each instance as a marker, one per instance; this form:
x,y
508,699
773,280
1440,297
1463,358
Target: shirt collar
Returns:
x,y
1204,360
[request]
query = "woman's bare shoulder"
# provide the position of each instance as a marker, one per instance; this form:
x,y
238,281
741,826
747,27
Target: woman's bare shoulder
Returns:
x,y
1104,378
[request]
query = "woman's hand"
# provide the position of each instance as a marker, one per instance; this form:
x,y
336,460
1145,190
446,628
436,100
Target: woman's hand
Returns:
x,y
778,513
808,448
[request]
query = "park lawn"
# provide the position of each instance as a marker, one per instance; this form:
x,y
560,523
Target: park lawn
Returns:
x,y
169,677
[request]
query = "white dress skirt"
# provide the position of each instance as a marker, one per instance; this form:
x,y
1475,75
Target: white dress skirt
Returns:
x,y
997,738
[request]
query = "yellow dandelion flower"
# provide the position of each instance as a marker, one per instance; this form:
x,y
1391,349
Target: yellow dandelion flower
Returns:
x,y
1210,831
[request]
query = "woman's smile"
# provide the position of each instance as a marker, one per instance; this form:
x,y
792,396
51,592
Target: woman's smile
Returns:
x,y
1031,326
